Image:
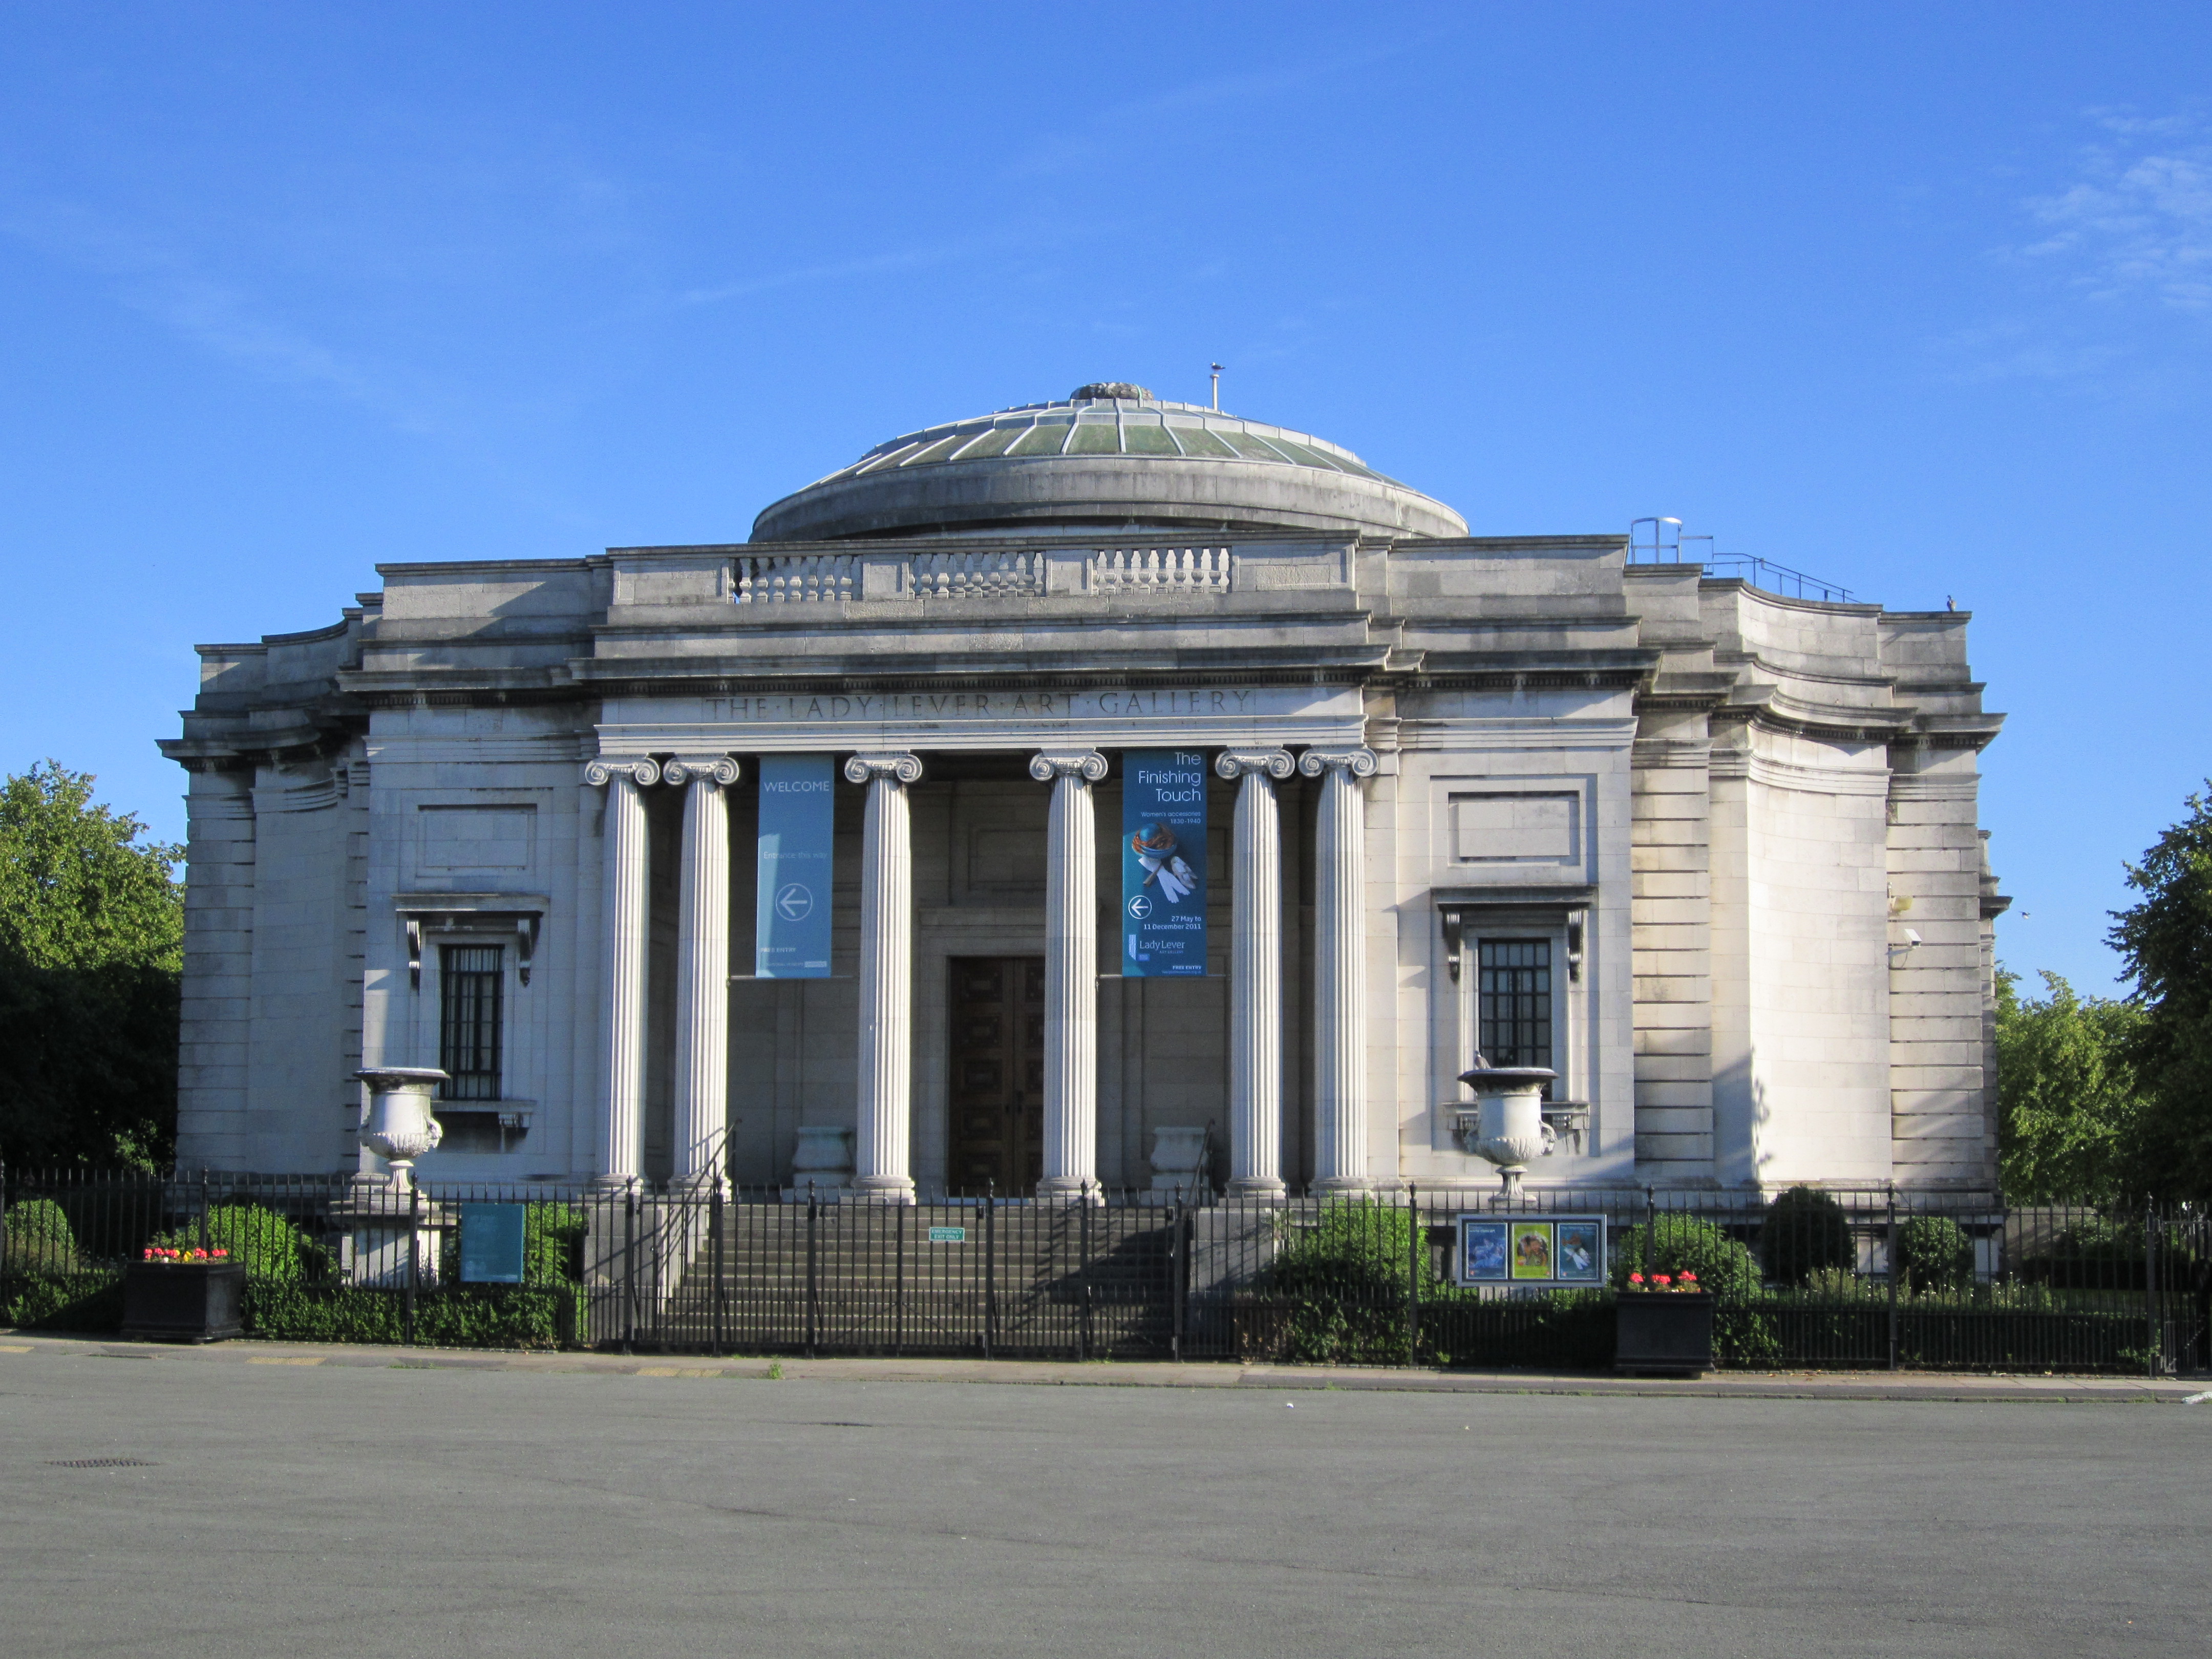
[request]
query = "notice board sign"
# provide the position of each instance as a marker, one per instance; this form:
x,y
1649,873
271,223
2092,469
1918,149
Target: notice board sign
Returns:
x,y
491,1243
1163,863
797,826
1531,1252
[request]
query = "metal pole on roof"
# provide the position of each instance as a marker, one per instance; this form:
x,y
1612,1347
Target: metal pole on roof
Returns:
x,y
1217,387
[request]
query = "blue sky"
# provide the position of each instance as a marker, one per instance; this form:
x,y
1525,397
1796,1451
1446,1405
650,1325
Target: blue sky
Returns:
x,y
1916,298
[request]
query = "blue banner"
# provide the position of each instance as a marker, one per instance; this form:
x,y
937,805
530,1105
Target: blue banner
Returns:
x,y
1163,862
797,826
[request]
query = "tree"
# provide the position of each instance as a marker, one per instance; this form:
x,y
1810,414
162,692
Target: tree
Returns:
x,y
92,927
2166,940
2067,1092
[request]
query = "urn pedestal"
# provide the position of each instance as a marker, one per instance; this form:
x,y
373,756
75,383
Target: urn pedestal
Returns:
x,y
1663,1333
1179,1166
821,1164
183,1301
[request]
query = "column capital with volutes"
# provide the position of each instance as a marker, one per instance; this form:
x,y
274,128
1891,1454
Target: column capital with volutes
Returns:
x,y
1088,764
718,769
1353,762
1275,763
901,768
641,770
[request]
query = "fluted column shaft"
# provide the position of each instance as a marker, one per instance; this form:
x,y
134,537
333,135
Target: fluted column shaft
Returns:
x,y
1340,969
622,1152
880,1170
1070,977
1255,975
703,966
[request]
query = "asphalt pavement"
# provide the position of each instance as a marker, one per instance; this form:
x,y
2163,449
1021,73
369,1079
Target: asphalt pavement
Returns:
x,y
258,1500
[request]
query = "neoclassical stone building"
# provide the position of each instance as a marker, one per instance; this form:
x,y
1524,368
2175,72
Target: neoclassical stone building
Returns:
x,y
1708,853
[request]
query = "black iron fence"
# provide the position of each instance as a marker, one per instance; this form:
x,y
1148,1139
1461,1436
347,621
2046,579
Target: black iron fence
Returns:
x,y
1842,1278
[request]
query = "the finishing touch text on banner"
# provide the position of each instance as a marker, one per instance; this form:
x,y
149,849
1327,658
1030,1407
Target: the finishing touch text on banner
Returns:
x,y
1163,862
798,820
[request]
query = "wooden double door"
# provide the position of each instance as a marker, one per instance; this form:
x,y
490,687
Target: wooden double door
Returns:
x,y
997,1075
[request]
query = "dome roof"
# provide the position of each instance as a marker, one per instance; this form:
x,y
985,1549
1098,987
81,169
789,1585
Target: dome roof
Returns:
x,y
1109,455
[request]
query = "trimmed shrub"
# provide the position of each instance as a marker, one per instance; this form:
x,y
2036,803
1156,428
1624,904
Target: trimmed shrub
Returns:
x,y
267,1242
1805,1231
1344,1282
62,1302
458,1316
1723,1266
40,1238
1933,1254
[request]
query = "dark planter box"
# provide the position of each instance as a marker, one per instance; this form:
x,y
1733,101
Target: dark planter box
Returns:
x,y
187,1302
1661,1332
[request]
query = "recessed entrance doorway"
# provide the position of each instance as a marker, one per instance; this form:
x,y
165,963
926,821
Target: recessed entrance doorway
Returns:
x,y
997,1098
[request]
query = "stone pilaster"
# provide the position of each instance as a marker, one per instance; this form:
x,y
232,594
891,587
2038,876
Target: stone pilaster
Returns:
x,y
881,1169
702,964
1339,969
622,946
1256,975
1071,975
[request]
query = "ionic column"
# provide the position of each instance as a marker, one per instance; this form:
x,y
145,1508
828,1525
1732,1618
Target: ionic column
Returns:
x,y
879,1157
1255,975
621,1152
1071,976
1339,976
702,964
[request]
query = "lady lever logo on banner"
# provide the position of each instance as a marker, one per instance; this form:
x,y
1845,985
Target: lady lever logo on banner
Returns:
x,y
1163,863
797,808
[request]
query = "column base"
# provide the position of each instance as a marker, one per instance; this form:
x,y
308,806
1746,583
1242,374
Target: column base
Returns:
x,y
883,1190
616,1184
1344,1187
1264,1189
1069,1189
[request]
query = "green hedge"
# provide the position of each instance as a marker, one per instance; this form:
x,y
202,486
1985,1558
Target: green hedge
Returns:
x,y
460,1316
62,1302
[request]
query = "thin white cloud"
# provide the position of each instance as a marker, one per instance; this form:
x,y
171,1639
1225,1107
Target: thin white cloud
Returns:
x,y
2136,220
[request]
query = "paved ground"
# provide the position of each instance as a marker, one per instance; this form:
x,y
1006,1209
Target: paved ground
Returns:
x,y
295,1500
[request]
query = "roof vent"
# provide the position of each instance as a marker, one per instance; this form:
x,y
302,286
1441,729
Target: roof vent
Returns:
x,y
1110,389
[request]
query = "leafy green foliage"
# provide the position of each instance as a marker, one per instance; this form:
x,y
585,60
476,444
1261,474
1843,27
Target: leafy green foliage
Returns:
x,y
1933,1254
62,1302
1805,1231
1724,1265
39,1237
2067,1091
454,1316
269,1245
553,1243
1346,1280
91,950
2165,941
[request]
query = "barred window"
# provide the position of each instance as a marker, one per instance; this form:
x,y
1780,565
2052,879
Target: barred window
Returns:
x,y
1514,994
471,984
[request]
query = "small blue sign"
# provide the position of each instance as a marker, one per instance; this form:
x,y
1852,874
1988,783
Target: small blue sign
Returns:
x,y
798,827
1163,863
491,1243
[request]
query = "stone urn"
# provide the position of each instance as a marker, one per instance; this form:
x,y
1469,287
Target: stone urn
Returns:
x,y
1178,1161
823,1165
401,1127
1507,1120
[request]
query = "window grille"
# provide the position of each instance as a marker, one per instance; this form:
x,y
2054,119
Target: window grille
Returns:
x,y
472,988
1514,988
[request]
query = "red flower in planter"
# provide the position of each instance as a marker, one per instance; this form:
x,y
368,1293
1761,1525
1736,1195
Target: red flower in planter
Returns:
x,y
1636,1278
1662,1281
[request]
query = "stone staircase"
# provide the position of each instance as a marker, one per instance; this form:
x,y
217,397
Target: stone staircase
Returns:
x,y
926,1279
